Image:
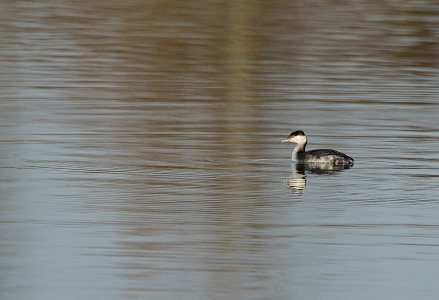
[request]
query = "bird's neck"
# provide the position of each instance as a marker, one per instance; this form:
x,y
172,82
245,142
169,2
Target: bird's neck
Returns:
x,y
298,151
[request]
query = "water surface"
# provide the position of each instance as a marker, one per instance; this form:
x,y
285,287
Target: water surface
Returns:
x,y
140,152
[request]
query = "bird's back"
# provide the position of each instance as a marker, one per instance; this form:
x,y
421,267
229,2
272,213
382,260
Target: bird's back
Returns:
x,y
327,156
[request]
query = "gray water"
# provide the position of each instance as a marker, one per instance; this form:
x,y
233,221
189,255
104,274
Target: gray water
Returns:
x,y
140,153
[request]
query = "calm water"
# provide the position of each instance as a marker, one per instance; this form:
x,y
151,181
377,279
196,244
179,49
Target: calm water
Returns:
x,y
140,153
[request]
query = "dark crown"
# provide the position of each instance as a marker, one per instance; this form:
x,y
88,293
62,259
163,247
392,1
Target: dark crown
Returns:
x,y
298,132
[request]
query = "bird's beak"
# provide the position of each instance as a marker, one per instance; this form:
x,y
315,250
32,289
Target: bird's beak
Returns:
x,y
286,141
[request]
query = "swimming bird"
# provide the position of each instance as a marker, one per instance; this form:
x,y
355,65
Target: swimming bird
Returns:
x,y
326,157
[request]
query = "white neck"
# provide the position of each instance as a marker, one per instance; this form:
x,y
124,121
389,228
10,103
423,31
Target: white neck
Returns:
x,y
300,147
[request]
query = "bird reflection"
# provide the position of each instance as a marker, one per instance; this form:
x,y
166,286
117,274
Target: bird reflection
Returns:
x,y
297,180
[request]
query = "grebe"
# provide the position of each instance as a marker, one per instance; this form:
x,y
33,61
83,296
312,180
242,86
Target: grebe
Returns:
x,y
321,156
